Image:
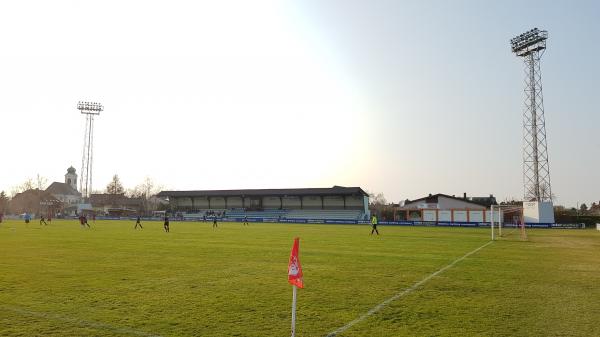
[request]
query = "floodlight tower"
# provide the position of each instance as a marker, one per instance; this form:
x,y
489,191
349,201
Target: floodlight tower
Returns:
x,y
89,109
536,171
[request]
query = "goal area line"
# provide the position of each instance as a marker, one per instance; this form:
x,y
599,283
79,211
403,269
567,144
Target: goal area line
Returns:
x,y
404,292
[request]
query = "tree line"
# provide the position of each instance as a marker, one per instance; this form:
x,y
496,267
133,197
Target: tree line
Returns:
x,y
145,191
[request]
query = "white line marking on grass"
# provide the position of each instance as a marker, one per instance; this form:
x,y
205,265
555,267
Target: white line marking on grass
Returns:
x,y
403,293
80,322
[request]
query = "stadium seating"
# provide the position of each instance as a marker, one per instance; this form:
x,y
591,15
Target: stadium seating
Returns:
x,y
193,216
320,214
325,214
269,214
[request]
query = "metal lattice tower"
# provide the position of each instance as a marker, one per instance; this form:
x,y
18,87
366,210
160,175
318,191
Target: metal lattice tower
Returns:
x,y
89,109
536,170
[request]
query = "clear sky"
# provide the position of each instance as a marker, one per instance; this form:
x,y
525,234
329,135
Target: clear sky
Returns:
x,y
401,97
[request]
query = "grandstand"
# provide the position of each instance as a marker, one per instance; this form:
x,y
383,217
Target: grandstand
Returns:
x,y
335,203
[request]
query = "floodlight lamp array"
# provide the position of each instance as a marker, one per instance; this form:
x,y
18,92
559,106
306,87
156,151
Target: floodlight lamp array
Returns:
x,y
89,107
528,41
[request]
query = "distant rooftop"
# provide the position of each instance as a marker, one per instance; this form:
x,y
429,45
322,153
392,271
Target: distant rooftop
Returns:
x,y
62,189
482,201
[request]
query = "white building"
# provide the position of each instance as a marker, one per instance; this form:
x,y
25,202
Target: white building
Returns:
x,y
446,208
67,192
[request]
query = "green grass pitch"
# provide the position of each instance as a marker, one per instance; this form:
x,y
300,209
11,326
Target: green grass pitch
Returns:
x,y
112,280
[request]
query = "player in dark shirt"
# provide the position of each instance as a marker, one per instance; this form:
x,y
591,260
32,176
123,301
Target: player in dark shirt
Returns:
x,y
43,221
215,221
138,222
83,221
166,224
246,220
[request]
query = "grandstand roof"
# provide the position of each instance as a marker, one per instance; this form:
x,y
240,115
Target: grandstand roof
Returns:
x,y
335,190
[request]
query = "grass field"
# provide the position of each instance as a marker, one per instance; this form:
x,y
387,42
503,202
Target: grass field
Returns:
x,y
111,280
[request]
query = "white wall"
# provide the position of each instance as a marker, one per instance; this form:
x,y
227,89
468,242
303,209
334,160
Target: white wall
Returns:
x,y
449,203
476,216
445,216
538,212
68,198
429,215
460,216
497,216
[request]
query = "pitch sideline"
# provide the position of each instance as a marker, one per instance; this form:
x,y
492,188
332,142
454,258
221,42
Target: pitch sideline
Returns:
x,y
403,293
80,322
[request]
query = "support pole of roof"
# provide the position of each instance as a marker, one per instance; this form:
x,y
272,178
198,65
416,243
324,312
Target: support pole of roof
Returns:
x,y
492,221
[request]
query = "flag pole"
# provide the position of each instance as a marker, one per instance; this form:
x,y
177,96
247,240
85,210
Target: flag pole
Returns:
x,y
294,312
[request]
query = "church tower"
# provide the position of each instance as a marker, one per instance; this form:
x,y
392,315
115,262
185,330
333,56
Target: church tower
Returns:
x,y
71,178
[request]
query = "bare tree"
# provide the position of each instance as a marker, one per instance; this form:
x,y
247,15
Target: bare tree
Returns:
x,y
378,199
27,185
41,182
134,192
14,191
147,190
378,204
115,186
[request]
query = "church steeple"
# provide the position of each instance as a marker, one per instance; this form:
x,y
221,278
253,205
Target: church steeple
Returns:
x,y
71,178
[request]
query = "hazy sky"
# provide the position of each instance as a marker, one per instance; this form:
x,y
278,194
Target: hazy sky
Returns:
x,y
401,97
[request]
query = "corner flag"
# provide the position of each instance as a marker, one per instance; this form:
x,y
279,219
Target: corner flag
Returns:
x,y
294,268
295,279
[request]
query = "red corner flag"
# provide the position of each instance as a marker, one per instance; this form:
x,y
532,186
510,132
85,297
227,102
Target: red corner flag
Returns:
x,y
294,268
